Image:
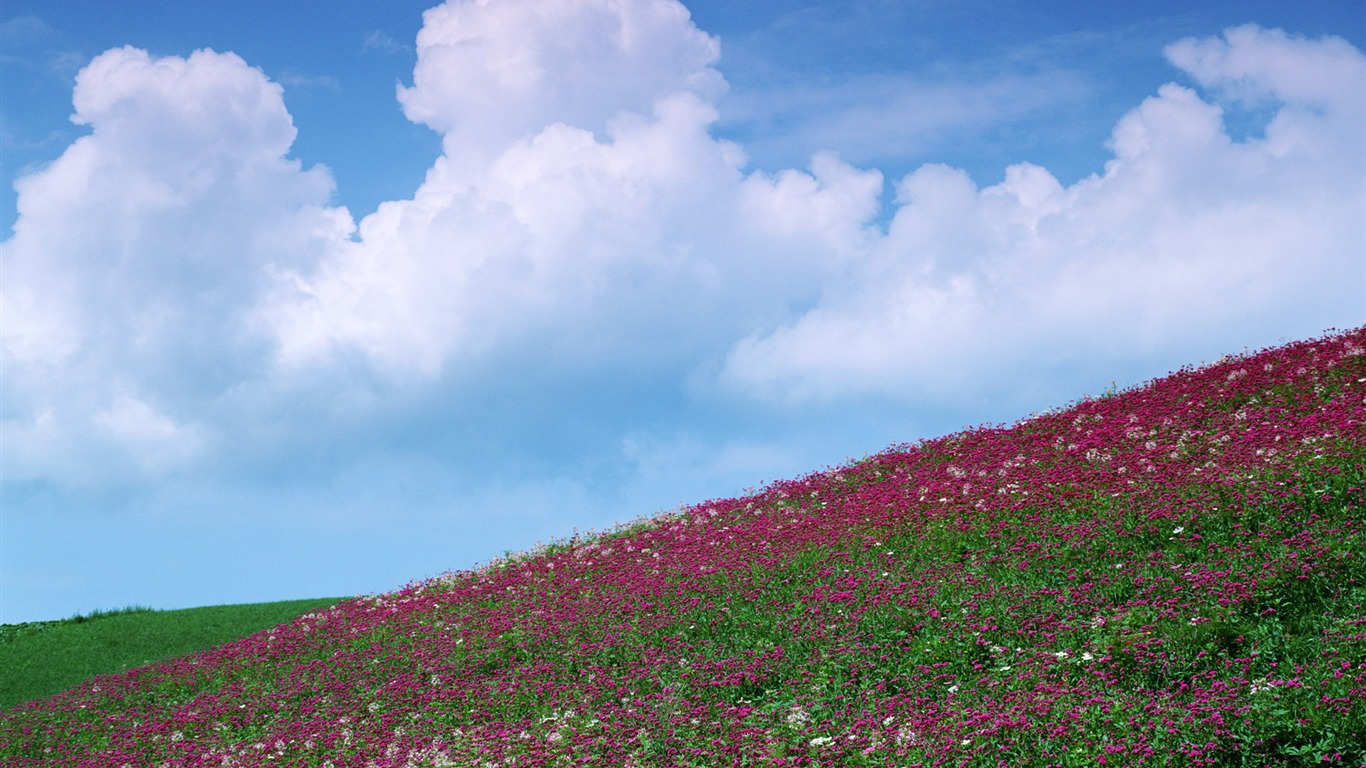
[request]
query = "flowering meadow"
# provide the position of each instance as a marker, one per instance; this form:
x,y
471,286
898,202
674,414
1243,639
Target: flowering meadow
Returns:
x,y
1170,575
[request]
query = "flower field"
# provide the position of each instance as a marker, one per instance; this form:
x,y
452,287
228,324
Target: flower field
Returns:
x,y
1171,575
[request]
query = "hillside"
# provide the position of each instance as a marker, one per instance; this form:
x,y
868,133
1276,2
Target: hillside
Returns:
x,y
1172,575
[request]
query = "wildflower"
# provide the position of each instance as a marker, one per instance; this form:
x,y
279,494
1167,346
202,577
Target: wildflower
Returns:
x,y
1179,529
822,741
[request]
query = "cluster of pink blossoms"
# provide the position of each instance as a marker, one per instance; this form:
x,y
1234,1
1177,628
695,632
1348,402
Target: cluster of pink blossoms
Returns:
x,y
1172,575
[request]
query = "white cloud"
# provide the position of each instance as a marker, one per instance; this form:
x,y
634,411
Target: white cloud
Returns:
x,y
177,290
138,256
534,241
580,192
1253,63
1186,234
154,441
489,74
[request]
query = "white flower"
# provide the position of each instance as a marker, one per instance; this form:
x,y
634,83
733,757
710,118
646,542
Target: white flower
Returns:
x,y
821,741
1179,529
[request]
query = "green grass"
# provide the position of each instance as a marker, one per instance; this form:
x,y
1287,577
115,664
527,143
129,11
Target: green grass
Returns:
x,y
43,658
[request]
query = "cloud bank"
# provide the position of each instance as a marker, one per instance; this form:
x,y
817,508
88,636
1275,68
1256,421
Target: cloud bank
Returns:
x,y
178,293
1185,233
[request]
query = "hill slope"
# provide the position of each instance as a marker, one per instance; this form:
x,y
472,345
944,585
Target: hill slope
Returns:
x,y
1172,575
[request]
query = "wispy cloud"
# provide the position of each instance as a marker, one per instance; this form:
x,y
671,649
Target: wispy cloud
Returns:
x,y
378,39
296,79
36,45
879,117
26,32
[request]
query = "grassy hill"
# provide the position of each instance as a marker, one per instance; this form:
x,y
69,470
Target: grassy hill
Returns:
x,y
1172,575
40,658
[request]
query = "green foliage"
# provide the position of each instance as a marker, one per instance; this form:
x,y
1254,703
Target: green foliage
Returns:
x,y
39,659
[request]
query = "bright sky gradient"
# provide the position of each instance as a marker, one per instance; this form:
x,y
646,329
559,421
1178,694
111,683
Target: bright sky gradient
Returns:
x,y
316,299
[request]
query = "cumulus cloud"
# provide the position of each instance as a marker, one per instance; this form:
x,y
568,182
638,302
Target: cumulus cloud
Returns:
x,y
136,260
492,73
1185,234
580,194
177,287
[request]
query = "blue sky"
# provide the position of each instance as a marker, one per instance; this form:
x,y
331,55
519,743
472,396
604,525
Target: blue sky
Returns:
x,y
308,299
